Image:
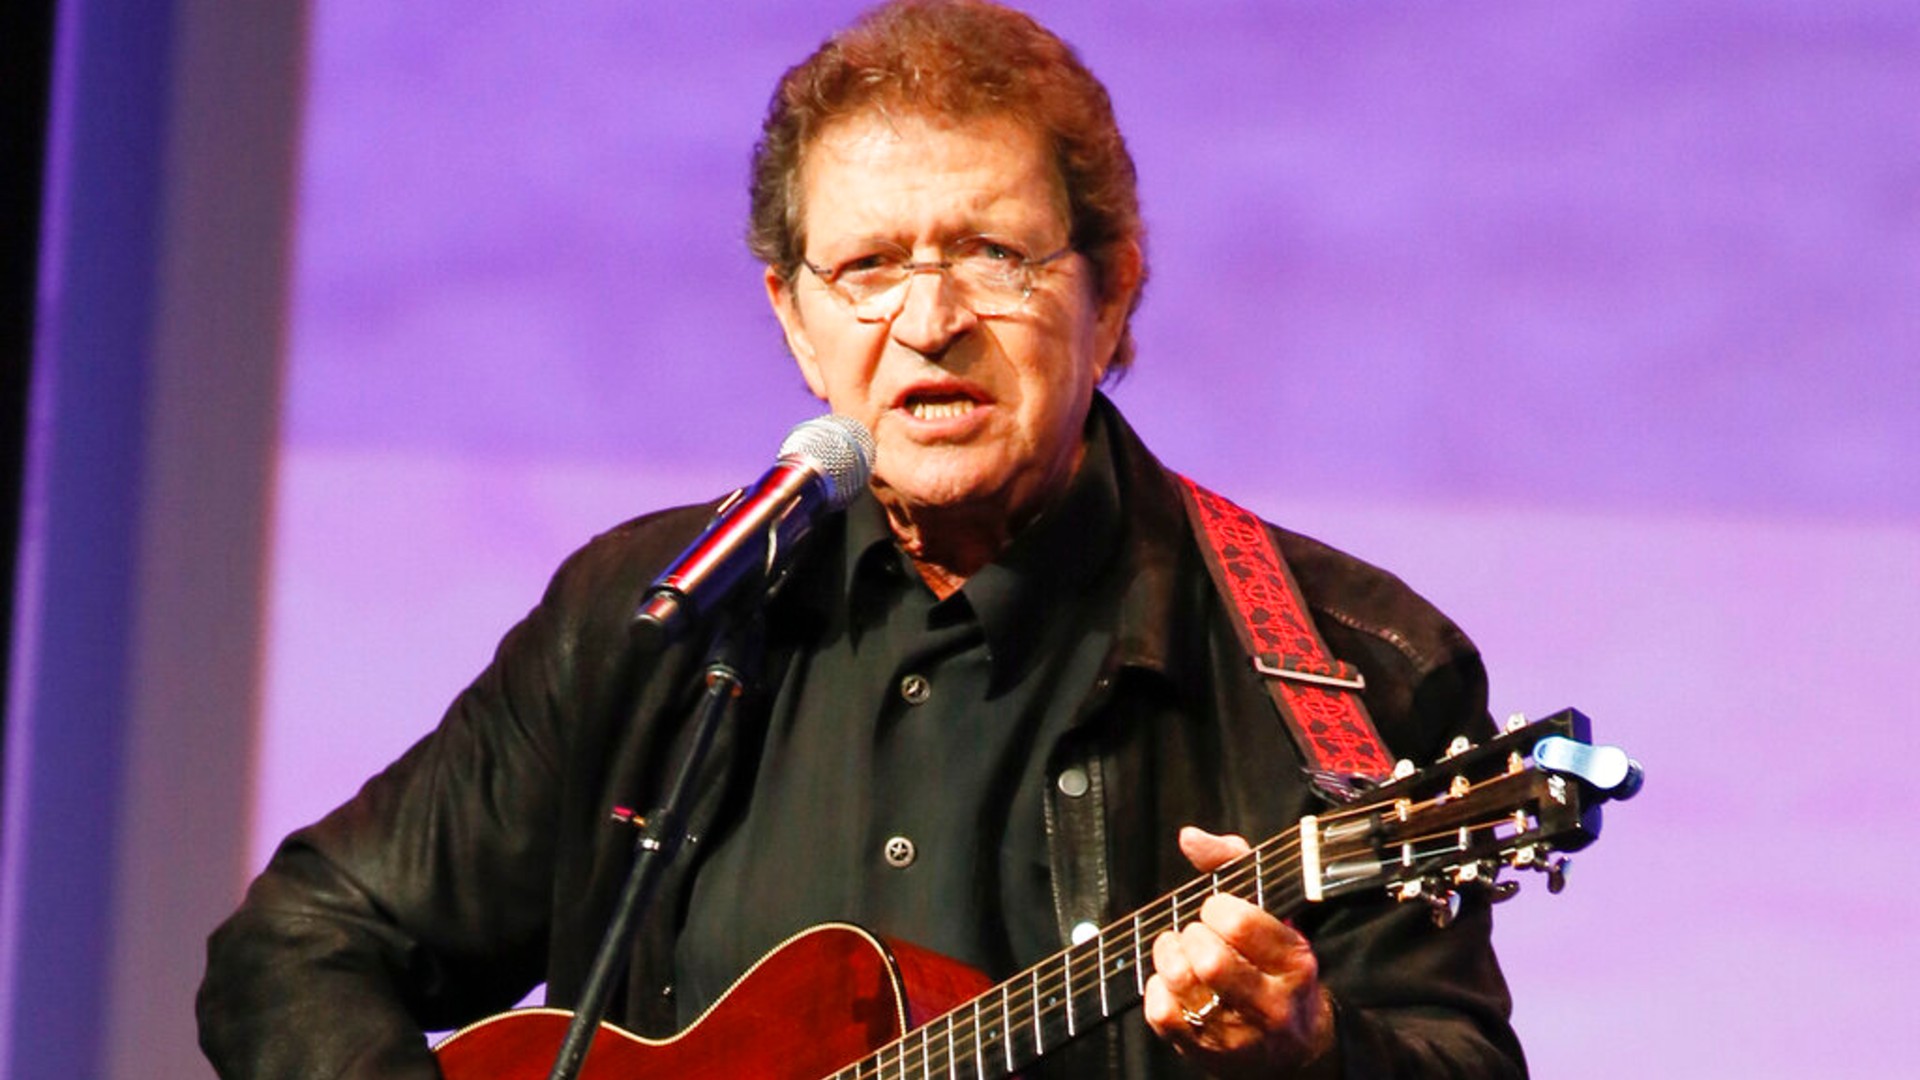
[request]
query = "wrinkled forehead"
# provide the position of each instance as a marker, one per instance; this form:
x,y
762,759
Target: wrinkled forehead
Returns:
x,y
880,144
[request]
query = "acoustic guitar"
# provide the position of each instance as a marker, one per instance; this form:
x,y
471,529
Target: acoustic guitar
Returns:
x,y
837,1002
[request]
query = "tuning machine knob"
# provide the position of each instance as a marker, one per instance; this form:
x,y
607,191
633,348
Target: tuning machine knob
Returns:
x,y
1443,903
1556,868
1485,876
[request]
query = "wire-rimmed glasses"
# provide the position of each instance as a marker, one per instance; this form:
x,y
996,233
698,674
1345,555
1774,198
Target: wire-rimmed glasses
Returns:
x,y
990,276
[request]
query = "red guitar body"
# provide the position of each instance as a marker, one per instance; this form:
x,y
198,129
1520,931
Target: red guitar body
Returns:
x,y
824,999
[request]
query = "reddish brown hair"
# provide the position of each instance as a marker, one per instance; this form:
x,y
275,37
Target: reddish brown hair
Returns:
x,y
960,60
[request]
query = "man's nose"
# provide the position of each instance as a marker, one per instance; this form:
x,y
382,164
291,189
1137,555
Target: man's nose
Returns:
x,y
931,316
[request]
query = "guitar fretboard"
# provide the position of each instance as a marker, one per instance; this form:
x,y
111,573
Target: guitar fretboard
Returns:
x,y
1069,993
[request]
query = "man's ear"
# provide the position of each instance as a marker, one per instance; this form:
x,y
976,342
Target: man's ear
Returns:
x,y
786,308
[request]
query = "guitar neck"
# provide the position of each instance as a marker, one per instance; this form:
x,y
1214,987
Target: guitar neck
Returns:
x,y
1103,974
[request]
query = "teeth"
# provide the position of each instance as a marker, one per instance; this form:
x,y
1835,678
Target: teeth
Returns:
x,y
939,410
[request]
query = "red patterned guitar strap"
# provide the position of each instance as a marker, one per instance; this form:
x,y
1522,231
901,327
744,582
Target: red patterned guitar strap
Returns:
x,y
1318,695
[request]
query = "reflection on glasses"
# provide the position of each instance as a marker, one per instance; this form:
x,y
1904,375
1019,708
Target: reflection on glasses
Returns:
x,y
990,277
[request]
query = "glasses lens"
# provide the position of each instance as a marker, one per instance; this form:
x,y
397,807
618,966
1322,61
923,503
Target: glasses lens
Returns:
x,y
991,275
875,301
990,287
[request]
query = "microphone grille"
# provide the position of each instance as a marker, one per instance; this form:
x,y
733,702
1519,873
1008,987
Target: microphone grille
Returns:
x,y
839,448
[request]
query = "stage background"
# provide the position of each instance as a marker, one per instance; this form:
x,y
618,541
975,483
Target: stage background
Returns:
x,y
1596,322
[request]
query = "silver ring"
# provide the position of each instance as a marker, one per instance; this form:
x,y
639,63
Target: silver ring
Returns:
x,y
1197,1018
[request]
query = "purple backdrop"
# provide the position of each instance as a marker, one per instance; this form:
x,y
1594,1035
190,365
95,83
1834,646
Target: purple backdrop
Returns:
x,y
1595,321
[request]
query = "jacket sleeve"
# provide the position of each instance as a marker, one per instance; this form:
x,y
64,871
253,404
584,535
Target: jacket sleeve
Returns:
x,y
421,904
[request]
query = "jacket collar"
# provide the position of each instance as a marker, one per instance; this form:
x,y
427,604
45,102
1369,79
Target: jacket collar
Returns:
x,y
1156,543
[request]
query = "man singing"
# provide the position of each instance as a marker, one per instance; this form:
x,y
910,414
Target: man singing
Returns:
x,y
1002,699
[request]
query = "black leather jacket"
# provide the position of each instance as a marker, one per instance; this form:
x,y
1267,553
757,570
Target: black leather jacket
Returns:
x,y
483,861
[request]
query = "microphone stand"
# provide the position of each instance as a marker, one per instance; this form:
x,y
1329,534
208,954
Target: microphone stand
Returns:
x,y
734,650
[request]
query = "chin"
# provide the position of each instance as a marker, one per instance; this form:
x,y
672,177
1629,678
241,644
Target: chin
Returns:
x,y
943,485
943,496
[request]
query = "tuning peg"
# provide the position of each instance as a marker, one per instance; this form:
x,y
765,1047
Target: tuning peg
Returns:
x,y
1485,876
1557,865
1442,902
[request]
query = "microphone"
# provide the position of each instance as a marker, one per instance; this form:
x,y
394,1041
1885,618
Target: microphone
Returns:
x,y
824,463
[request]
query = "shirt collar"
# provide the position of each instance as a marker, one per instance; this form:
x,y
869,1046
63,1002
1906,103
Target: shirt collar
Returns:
x,y
1050,563
1046,564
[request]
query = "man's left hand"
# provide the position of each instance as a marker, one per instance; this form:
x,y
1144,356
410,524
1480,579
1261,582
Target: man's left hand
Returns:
x,y
1237,991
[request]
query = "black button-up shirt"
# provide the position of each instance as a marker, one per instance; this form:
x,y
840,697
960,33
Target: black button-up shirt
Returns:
x,y
901,783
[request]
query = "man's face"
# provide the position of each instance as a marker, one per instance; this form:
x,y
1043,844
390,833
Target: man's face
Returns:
x,y
980,414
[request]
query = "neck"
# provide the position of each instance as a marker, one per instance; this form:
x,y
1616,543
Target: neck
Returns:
x,y
948,545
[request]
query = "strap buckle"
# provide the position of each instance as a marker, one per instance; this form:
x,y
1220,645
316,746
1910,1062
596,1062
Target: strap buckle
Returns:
x,y
1344,676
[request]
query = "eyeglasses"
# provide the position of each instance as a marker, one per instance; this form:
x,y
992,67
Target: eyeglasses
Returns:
x,y
991,277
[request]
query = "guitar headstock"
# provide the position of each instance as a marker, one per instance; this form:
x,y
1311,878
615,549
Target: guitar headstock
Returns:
x,y
1524,799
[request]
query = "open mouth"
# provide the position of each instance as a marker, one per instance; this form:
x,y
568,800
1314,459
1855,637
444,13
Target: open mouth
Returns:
x,y
945,404
941,409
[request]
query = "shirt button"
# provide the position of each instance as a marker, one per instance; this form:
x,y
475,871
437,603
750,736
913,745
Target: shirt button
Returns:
x,y
916,689
899,852
1072,781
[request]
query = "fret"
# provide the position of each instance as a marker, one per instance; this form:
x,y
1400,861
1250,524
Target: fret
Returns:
x,y
1089,997
1259,882
979,1048
1100,957
1066,967
1039,1041
1023,1019
1121,958
1139,963
1006,1026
